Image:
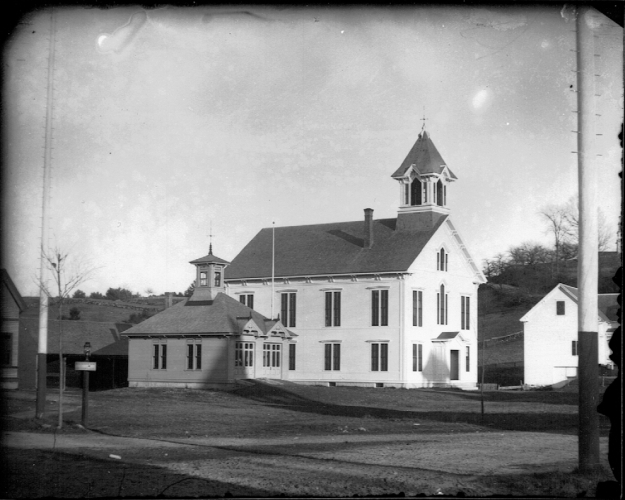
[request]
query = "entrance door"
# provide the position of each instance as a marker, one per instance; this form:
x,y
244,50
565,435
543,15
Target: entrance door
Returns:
x,y
454,364
272,361
244,360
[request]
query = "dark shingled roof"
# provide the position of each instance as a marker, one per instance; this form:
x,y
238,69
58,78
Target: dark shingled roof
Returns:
x,y
606,303
330,249
425,157
221,316
447,335
207,259
75,334
119,348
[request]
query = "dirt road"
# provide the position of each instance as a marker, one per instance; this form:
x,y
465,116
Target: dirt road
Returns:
x,y
343,465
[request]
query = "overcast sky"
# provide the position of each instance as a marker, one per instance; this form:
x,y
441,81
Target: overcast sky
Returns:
x,y
167,120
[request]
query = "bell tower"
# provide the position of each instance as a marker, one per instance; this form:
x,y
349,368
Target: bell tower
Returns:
x,y
209,280
423,179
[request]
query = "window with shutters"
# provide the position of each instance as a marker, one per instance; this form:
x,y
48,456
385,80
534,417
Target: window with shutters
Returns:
x,y
379,357
441,306
332,356
417,308
333,308
379,307
417,357
194,354
159,355
247,299
287,308
465,314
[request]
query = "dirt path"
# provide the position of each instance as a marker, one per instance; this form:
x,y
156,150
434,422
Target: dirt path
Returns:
x,y
341,465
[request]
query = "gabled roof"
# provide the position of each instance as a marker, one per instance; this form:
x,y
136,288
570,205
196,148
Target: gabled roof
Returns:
x,y
331,249
74,334
607,305
221,316
17,297
425,157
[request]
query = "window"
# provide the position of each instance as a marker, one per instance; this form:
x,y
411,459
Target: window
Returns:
x,y
194,354
379,357
332,357
574,348
468,359
417,308
217,278
203,280
159,355
271,355
247,299
379,307
560,308
244,354
416,192
441,306
417,357
292,356
440,193
442,258
333,308
7,349
407,194
287,311
465,313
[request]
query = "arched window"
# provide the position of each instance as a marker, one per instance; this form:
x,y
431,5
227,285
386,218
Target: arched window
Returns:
x,y
441,260
440,197
415,192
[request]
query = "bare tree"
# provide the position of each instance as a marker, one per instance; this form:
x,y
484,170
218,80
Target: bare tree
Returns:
x,y
571,210
558,225
68,273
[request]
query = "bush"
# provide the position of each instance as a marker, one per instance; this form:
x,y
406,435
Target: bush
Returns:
x,y
79,294
96,295
74,314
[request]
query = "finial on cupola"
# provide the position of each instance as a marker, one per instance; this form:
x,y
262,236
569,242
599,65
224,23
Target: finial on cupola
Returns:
x,y
210,236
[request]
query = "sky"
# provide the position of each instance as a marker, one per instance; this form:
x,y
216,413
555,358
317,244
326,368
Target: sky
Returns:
x,y
172,124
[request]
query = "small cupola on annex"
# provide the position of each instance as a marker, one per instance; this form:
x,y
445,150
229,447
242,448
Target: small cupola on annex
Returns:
x,y
209,280
423,179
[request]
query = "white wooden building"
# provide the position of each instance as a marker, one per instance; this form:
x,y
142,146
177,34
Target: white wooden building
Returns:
x,y
550,331
384,303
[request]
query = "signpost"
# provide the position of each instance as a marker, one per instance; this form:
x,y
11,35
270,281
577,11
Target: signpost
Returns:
x,y
85,367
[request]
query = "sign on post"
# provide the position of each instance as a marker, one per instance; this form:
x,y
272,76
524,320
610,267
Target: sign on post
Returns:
x,y
88,366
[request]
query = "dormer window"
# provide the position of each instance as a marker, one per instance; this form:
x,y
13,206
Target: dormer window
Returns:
x,y
440,193
441,260
203,278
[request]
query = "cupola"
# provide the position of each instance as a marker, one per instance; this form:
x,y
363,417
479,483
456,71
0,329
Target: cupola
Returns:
x,y
209,279
423,179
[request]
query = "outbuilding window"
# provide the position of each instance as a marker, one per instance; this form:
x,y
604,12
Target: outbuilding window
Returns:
x,y
560,308
159,355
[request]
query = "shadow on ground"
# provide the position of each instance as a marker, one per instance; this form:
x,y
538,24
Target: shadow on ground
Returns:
x,y
562,423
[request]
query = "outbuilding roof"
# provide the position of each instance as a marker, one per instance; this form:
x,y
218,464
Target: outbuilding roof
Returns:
x,y
331,249
221,316
17,297
425,157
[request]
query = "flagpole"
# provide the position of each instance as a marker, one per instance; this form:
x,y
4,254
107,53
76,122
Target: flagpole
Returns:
x,y
273,262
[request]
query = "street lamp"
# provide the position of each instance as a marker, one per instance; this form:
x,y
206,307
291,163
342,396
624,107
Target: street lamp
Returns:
x,y
85,387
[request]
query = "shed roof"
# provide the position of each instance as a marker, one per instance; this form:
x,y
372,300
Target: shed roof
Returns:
x,y
331,249
74,334
221,316
17,297
425,157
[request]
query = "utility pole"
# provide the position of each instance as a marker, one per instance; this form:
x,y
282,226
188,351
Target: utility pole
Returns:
x,y
42,349
588,359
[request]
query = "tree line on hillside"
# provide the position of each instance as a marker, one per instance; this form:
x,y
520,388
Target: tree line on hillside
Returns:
x,y
539,268
119,293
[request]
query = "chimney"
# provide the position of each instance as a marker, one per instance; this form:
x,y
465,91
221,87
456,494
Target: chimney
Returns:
x,y
169,299
368,239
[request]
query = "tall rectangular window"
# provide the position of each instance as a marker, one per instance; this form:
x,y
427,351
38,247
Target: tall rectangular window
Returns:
x,y
203,278
333,309
441,306
244,354
271,355
247,299
292,356
574,348
379,307
560,308
7,349
159,356
194,355
379,357
468,359
287,309
332,357
417,357
417,308
465,313
217,279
